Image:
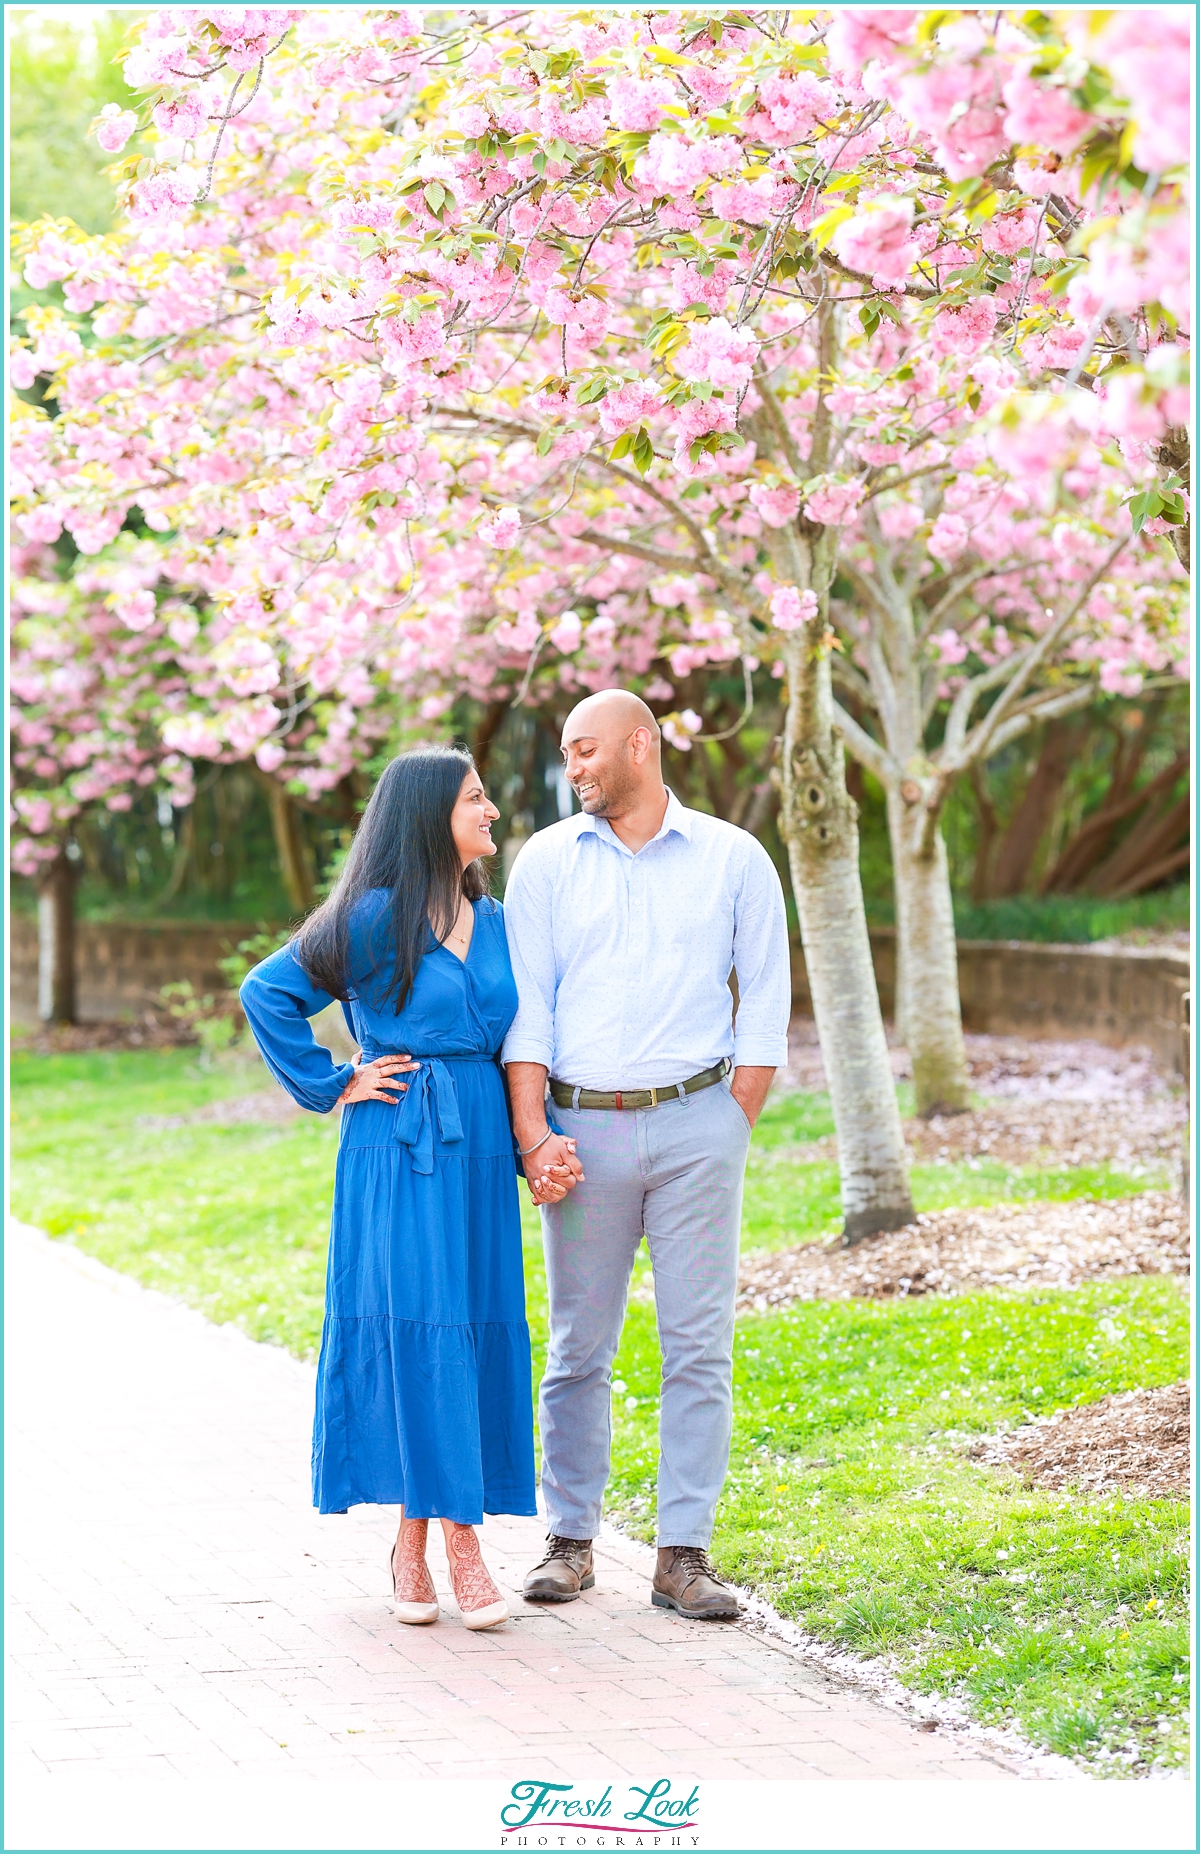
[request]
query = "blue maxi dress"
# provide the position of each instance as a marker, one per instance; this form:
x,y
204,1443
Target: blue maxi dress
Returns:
x,y
424,1394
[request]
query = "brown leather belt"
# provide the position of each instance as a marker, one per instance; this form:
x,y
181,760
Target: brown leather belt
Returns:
x,y
564,1095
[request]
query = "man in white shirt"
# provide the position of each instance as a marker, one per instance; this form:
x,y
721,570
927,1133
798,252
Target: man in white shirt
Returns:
x,y
624,925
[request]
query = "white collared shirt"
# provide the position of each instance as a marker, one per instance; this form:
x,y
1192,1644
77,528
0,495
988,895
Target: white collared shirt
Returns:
x,y
622,962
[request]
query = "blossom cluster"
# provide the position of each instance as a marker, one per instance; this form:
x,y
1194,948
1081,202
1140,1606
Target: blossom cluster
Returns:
x,y
513,374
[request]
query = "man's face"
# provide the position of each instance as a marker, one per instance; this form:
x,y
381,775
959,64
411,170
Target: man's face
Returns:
x,y
601,770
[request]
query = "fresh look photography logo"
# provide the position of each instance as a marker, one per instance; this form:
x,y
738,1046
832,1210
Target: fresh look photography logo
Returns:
x,y
537,1814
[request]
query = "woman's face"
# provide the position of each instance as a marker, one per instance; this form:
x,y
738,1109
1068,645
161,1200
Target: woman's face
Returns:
x,y
471,820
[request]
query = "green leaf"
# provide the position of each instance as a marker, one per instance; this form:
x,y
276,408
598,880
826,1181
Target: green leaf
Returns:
x,y
822,229
622,447
545,442
1144,507
643,450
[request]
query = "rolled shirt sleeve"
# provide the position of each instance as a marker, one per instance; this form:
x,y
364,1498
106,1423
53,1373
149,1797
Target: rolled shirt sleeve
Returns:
x,y
762,961
529,927
278,998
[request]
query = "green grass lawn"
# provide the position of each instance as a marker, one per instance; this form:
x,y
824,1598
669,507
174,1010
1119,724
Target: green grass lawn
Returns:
x,y
851,1504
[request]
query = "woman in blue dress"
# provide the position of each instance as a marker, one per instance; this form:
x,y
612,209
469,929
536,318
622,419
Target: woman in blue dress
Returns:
x,y
424,1396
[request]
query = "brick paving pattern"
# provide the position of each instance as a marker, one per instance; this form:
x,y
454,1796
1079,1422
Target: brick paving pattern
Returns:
x,y
177,1609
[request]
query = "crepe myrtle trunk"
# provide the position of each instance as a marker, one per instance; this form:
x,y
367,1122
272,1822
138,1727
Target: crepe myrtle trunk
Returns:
x,y
295,862
56,941
928,1012
819,823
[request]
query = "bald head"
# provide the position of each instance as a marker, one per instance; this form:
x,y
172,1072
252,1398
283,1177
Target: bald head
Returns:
x,y
609,715
612,748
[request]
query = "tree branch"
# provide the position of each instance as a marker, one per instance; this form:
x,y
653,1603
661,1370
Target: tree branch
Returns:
x,y
962,582
775,414
1036,709
866,750
613,544
1032,660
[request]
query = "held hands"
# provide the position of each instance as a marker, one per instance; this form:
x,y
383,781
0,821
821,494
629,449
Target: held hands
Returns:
x,y
375,1081
552,1170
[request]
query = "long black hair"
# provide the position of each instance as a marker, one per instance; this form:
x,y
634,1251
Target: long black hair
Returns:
x,y
404,843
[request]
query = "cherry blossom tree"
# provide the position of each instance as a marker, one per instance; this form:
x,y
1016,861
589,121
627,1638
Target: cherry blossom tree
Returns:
x,y
90,696
517,354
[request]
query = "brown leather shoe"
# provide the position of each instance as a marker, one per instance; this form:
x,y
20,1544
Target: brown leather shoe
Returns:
x,y
686,1581
564,1571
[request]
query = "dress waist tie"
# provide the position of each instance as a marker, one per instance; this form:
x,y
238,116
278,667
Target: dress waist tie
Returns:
x,y
431,1088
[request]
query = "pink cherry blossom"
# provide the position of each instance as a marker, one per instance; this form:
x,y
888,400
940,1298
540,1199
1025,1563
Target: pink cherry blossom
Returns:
x,y
165,196
790,107
899,521
181,116
21,370
270,755
777,506
639,103
958,106
878,240
567,633
622,410
192,735
833,503
501,529
1036,112
965,330
950,647
329,508
1152,57
137,610
949,539
718,353
791,609
678,729
113,127
857,37
1010,232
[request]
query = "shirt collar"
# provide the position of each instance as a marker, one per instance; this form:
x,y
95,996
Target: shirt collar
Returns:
x,y
676,818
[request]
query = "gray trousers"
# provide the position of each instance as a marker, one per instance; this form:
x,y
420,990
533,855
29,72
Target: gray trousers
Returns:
x,y
673,1172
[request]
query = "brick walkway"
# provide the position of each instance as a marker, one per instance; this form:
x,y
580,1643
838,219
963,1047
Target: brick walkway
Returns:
x,y
177,1609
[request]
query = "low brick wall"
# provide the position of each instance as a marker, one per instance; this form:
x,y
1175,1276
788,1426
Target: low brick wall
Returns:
x,y
1118,995
1010,987
124,964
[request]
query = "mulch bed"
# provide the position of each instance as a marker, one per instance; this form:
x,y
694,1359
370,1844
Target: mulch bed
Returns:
x,y
1137,1443
961,1251
1025,1068
150,1031
1136,1133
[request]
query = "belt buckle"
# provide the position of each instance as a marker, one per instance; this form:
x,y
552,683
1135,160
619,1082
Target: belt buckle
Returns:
x,y
654,1097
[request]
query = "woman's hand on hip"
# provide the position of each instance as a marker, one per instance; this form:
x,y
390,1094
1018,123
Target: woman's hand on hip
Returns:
x,y
376,1081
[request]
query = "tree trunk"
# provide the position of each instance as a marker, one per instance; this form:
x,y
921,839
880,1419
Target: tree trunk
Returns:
x,y
1137,861
295,863
56,942
818,821
1076,865
1018,847
819,824
928,1013
986,833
